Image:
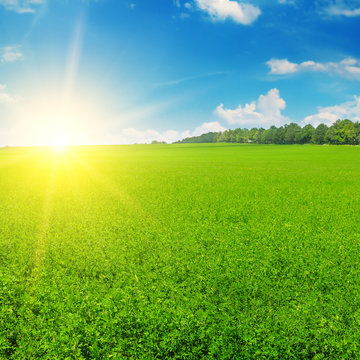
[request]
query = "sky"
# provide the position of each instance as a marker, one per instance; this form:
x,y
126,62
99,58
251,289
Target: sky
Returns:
x,y
133,71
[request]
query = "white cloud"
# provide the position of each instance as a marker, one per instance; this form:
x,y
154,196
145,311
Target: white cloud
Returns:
x,y
282,66
341,10
266,111
328,115
348,67
21,6
6,98
287,2
241,13
206,127
132,135
11,54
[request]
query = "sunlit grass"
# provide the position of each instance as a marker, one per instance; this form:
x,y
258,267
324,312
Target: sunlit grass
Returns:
x,y
181,251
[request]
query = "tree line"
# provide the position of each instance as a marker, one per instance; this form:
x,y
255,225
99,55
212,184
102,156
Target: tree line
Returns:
x,y
342,132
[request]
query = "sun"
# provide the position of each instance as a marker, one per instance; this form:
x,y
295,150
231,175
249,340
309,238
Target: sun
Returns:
x,y
59,142
57,122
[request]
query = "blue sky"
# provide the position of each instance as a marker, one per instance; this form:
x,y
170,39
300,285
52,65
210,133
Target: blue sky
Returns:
x,y
125,71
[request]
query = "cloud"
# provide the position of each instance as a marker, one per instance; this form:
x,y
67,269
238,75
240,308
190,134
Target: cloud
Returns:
x,y
6,98
222,10
264,112
11,54
206,127
287,2
348,67
281,67
21,6
328,115
133,136
342,10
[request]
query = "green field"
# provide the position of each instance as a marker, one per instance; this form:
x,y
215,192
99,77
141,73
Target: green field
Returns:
x,y
180,251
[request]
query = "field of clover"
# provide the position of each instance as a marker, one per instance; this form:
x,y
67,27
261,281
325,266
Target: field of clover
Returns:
x,y
186,251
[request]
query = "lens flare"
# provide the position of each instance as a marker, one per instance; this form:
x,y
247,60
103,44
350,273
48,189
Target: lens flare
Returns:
x,y
59,142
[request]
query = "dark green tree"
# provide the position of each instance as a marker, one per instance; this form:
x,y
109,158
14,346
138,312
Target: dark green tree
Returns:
x,y
341,132
292,133
307,134
319,134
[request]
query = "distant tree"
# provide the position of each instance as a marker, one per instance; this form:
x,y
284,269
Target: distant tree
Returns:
x,y
246,135
204,138
357,132
217,137
307,134
226,136
331,135
253,134
239,135
263,137
349,132
232,136
158,142
341,132
260,136
292,133
279,135
319,134
270,135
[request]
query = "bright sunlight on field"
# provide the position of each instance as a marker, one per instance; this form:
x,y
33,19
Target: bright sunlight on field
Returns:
x,y
180,251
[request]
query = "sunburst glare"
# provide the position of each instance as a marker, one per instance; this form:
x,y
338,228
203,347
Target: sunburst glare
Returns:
x,y
59,142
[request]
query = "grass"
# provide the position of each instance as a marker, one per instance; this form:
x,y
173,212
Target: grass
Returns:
x,y
180,251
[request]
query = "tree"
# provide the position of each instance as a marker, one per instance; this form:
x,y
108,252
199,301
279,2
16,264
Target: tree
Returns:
x,y
292,134
269,135
349,133
279,135
341,132
307,134
260,136
319,134
357,132
253,134
239,135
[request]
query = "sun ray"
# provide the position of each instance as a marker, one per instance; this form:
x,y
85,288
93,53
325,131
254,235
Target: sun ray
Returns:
x,y
42,237
72,65
17,156
113,189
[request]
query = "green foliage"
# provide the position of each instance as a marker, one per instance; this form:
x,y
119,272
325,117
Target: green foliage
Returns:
x,y
319,134
343,132
204,138
307,134
156,142
219,251
340,133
